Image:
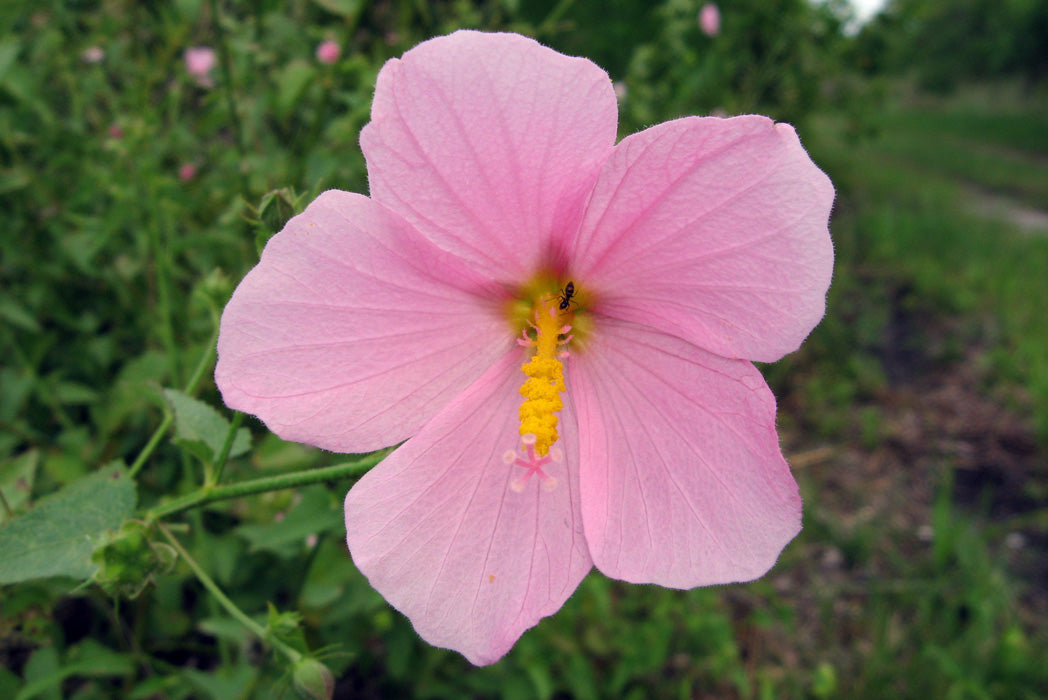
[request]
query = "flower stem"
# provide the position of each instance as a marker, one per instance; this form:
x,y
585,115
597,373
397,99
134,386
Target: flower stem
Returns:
x,y
215,474
223,600
210,494
7,506
226,65
554,16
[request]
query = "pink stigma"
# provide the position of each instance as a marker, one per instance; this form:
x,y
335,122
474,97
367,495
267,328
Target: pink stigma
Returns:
x,y
532,463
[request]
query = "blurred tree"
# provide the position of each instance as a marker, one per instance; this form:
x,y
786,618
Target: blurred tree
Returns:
x,y
946,43
770,56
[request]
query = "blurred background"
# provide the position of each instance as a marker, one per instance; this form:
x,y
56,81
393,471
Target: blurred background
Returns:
x,y
148,149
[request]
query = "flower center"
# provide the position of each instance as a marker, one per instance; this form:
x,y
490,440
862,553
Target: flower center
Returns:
x,y
548,313
545,378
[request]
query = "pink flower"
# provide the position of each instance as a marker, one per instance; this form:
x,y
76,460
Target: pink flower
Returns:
x,y
93,54
200,61
186,172
709,19
510,247
328,52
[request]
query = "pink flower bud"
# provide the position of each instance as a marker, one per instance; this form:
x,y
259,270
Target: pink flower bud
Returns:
x,y
328,52
187,172
200,60
93,54
709,19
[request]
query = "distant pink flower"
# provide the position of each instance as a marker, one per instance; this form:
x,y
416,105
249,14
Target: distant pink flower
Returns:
x,y
709,19
200,61
93,54
186,172
328,52
509,248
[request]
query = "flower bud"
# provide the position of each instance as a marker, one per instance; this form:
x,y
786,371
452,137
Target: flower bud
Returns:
x,y
312,680
128,560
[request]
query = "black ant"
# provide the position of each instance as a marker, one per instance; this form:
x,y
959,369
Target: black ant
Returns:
x,y
565,297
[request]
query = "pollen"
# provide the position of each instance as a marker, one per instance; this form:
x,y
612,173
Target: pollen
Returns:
x,y
545,380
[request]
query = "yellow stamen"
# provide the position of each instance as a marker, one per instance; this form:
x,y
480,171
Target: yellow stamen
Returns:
x,y
545,382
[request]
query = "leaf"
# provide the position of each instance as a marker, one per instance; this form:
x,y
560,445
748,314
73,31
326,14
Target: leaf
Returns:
x,y
16,480
201,430
16,314
224,682
56,537
292,81
344,8
89,658
74,393
9,48
314,514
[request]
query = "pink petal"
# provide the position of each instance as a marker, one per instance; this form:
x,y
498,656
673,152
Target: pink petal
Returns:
x,y
438,531
683,483
713,230
353,330
489,144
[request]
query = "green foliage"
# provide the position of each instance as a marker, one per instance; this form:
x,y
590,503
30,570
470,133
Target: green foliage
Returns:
x,y
738,71
201,431
117,258
57,536
16,482
129,560
948,43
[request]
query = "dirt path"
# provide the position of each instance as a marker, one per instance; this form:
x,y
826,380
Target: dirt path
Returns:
x,y
991,205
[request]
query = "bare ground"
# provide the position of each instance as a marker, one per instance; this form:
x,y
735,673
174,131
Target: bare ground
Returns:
x,y
943,422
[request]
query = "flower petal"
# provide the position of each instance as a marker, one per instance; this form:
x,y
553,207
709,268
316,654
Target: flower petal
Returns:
x,y
438,531
683,483
353,330
713,230
490,144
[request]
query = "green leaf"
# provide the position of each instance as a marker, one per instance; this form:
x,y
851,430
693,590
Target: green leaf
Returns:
x,y
344,8
9,48
224,682
16,480
17,315
74,393
89,658
9,683
56,537
292,81
314,514
201,430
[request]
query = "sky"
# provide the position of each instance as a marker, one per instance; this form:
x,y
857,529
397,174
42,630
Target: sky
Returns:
x,y
864,9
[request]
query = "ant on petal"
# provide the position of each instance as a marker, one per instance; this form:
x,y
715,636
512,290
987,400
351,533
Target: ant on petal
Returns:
x,y
565,297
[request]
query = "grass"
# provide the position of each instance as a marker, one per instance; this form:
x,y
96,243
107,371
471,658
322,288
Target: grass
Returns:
x,y
114,268
908,209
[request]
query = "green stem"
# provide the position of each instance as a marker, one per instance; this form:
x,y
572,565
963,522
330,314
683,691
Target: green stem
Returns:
x,y
210,494
215,475
159,238
223,600
7,506
225,63
191,386
554,16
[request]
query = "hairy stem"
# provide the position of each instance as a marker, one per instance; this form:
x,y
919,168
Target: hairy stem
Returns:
x,y
210,494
